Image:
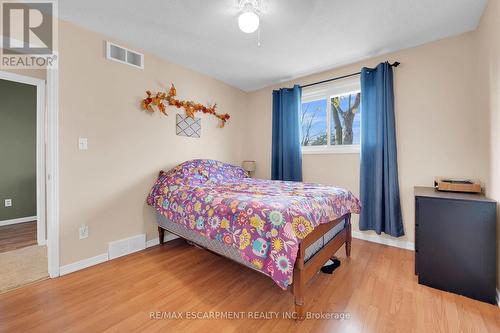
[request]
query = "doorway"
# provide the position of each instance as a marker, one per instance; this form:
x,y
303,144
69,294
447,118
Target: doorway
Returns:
x,y
23,251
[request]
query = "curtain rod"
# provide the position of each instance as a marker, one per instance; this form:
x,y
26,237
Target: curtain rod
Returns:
x,y
395,64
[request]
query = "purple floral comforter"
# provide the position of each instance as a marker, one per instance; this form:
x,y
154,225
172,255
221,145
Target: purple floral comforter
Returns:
x,y
264,219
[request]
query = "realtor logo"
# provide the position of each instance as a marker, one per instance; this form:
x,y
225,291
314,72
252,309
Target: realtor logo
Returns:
x,y
28,34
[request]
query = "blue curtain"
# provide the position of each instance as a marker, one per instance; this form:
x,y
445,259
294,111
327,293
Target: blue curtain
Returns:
x,y
286,161
381,208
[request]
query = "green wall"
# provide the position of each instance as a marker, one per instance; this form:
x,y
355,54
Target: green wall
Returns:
x,y
17,149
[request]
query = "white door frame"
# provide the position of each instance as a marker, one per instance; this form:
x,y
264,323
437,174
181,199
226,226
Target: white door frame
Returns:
x,y
53,170
46,161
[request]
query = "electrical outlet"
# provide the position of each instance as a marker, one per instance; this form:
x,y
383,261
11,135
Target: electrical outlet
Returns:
x,y
83,231
8,202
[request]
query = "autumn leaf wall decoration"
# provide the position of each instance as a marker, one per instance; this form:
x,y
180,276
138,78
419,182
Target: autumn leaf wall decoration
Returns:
x,y
161,99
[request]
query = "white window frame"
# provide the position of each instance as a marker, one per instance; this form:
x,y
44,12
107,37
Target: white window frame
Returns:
x,y
327,91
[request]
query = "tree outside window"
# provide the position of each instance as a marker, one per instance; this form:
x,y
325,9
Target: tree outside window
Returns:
x,y
331,121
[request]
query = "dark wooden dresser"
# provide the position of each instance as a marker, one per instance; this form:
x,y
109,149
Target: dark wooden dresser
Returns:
x,y
455,242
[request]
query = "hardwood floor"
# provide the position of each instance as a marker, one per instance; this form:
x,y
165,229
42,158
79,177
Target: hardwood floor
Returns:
x,y
16,236
376,286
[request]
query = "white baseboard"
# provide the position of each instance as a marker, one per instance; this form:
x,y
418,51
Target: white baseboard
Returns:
x,y
167,238
76,266
382,240
19,220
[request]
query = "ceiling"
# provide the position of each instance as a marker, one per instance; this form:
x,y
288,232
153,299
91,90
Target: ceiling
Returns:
x,y
298,37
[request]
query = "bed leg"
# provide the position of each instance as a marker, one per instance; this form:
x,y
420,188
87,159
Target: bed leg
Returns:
x,y
298,294
298,285
161,234
348,240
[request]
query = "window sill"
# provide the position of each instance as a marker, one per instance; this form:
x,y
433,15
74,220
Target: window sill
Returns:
x,y
324,150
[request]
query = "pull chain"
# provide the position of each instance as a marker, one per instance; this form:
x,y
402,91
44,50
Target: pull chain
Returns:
x,y
258,36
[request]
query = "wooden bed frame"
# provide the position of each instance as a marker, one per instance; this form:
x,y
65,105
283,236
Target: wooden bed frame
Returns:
x,y
304,271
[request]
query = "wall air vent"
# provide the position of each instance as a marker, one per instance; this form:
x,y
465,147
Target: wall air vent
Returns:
x,y
125,56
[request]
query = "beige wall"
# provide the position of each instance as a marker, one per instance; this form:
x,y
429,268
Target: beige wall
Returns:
x,y
441,129
489,58
36,73
106,186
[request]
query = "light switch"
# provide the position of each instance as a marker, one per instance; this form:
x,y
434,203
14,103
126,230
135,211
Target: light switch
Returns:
x,y
83,144
8,202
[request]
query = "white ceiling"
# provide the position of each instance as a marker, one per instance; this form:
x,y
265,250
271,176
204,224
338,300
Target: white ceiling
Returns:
x,y
298,37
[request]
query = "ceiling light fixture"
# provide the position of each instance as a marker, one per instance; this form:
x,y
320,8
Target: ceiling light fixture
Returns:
x,y
249,19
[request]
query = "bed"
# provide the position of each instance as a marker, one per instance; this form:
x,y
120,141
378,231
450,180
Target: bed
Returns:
x,y
285,230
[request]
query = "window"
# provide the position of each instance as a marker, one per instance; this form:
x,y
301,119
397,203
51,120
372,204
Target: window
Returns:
x,y
314,123
330,118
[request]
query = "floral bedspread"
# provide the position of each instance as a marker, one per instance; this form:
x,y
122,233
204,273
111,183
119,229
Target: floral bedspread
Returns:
x,y
264,219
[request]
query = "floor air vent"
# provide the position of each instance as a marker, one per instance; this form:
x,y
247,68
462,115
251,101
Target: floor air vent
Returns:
x,y
125,56
126,246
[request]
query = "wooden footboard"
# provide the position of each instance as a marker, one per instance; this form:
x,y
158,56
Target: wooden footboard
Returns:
x,y
302,271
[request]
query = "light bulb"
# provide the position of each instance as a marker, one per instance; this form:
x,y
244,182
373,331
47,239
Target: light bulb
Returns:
x,y
248,22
